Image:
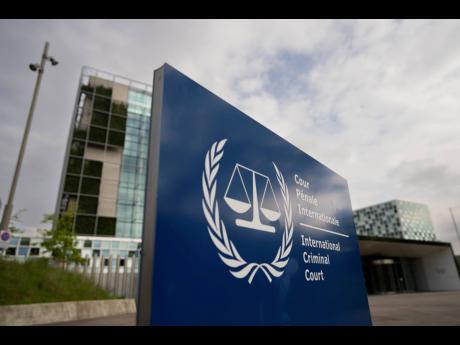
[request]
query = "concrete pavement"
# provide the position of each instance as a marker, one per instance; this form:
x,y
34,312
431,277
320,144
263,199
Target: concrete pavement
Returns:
x,y
423,309
413,309
117,320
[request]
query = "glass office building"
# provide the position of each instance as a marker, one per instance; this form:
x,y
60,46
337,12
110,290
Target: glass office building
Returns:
x,y
400,252
104,172
24,246
395,219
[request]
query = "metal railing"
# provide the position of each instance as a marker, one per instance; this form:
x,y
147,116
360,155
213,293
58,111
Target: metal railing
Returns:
x,y
116,275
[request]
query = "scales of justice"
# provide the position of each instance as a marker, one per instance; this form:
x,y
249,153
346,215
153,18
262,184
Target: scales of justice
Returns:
x,y
237,198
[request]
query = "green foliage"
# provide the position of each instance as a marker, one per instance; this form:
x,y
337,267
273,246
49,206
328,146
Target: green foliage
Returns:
x,y
36,282
60,241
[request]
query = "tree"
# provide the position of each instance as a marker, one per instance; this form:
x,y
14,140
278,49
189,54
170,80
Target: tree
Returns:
x,y
60,241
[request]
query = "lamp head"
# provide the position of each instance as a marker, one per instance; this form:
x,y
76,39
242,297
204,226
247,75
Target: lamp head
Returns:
x,y
33,67
53,61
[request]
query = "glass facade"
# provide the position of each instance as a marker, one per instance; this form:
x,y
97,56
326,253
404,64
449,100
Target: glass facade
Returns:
x,y
130,204
24,246
395,219
105,168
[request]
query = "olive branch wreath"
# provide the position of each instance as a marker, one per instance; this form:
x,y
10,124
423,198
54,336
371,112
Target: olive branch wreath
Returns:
x,y
218,233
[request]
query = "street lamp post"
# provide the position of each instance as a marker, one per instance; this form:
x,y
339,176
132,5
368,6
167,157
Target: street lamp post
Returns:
x,y
455,224
41,69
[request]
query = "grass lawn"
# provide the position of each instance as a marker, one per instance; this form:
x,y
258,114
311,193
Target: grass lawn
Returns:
x,y
35,282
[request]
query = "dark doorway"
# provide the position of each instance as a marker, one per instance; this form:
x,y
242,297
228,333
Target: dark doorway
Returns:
x,y
384,275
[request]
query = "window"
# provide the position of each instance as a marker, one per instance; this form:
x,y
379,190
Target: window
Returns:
x,y
106,226
136,230
23,251
79,133
97,146
11,251
97,244
71,184
34,251
87,243
130,162
87,204
100,119
118,122
97,134
116,138
90,186
123,228
93,168
74,165
85,225
87,88
125,212
104,91
25,241
77,148
120,108
102,103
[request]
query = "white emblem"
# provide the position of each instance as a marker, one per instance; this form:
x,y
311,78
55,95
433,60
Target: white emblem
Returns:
x,y
242,206
216,227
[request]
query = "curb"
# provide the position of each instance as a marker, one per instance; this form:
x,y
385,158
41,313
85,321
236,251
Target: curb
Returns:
x,y
44,313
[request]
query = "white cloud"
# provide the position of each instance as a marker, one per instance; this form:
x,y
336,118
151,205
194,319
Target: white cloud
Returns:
x,y
375,100
250,85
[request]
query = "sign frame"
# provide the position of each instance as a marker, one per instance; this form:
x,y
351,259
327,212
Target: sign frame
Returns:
x,y
146,281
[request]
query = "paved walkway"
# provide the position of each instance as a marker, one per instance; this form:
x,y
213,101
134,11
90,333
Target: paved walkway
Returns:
x,y
424,309
118,320
431,308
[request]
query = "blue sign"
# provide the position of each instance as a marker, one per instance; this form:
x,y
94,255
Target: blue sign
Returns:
x,y
241,227
5,235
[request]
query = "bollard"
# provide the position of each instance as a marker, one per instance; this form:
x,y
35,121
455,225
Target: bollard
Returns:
x,y
117,269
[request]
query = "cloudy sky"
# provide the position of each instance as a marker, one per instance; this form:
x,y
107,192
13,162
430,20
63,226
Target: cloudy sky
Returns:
x,y
377,101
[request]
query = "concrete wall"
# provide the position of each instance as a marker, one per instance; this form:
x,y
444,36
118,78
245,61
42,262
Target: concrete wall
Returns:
x,y
45,313
436,272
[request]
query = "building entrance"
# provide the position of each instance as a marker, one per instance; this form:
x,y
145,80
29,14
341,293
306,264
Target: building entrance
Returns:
x,y
385,275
